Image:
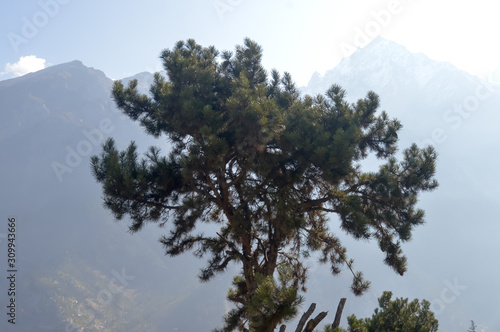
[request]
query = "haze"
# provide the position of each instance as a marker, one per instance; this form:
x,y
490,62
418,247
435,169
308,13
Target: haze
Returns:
x,y
435,65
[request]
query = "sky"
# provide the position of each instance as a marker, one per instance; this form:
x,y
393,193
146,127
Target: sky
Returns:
x,y
123,38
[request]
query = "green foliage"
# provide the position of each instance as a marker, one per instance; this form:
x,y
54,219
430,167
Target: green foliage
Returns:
x,y
357,325
398,315
267,166
328,328
274,301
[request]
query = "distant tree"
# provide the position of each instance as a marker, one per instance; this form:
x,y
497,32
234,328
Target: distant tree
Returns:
x,y
396,316
472,327
267,166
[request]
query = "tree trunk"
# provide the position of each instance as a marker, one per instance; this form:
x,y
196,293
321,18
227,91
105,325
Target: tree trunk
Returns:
x,y
314,322
338,315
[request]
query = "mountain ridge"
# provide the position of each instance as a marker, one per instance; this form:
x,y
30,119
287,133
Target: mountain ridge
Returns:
x,y
51,122
385,58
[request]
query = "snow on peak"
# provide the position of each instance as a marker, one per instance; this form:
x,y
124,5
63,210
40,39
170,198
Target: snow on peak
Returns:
x,y
380,64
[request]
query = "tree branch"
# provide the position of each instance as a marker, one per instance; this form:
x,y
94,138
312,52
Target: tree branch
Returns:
x,y
304,317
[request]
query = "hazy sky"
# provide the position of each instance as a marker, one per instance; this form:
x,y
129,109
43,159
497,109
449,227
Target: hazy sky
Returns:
x,y
125,37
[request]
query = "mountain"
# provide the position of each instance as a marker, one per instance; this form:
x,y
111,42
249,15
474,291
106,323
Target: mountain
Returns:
x,y
144,80
29,99
76,268
412,86
450,258
388,66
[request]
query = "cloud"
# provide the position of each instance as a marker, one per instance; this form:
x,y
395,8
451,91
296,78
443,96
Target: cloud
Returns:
x,y
26,64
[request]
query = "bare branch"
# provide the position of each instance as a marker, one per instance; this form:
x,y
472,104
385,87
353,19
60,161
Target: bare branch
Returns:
x,y
304,317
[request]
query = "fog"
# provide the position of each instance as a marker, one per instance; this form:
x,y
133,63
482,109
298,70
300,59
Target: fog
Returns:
x,y
77,268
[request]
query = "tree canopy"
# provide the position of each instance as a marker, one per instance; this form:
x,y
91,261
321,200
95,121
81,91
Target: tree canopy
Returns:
x,y
397,316
268,167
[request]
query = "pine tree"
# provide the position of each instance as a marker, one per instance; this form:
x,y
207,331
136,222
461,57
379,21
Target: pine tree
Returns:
x,y
397,316
267,166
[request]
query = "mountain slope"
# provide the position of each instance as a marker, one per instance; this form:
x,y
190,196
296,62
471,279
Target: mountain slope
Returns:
x,y
75,265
